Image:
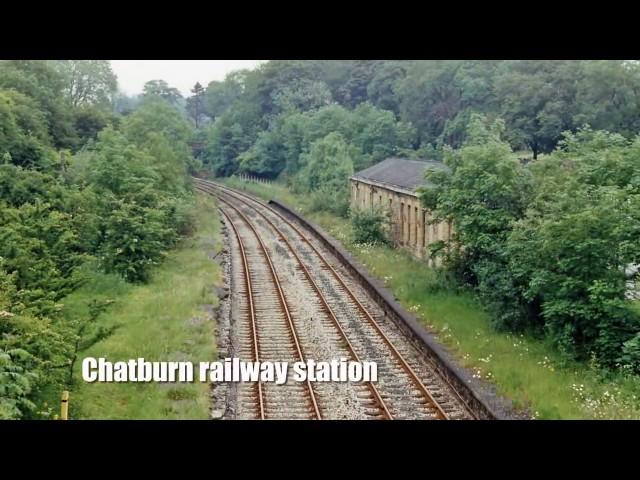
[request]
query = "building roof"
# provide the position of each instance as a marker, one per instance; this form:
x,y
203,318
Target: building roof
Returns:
x,y
398,174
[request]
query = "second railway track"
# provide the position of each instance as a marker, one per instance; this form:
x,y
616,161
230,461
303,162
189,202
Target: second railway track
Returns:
x,y
294,300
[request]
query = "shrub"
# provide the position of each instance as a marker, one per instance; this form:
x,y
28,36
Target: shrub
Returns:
x,y
326,175
16,383
370,226
631,354
181,217
135,239
546,245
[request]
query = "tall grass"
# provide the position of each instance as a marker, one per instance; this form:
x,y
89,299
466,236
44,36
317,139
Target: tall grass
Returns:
x,y
164,320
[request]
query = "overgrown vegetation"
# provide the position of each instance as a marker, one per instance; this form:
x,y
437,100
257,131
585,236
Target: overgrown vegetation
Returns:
x,y
267,121
370,226
544,240
94,181
167,318
546,244
81,189
525,367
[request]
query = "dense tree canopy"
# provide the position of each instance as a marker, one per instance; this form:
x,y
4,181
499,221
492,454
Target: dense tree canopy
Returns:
x,y
544,240
80,190
547,245
94,180
44,85
219,96
88,81
161,89
195,104
24,137
327,167
538,100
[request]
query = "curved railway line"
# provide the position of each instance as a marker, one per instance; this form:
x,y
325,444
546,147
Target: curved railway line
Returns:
x,y
294,300
261,335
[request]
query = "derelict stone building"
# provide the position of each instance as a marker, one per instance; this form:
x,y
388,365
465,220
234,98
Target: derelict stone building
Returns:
x,y
391,185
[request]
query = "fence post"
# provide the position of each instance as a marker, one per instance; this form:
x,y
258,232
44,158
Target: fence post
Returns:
x,y
64,406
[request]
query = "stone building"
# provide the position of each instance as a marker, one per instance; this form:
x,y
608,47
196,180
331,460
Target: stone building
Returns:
x,y
391,186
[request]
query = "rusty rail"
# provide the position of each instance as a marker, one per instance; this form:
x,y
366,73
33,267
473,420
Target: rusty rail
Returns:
x,y
331,314
252,312
282,299
430,400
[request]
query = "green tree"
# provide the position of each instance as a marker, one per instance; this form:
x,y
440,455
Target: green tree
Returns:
x,y
232,134
608,96
579,234
381,91
138,212
117,204
326,174
537,101
429,97
378,134
483,194
40,81
155,116
438,97
88,82
266,157
24,135
135,238
301,95
161,89
219,96
354,89
124,104
89,120
16,383
227,141
262,85
571,258
195,103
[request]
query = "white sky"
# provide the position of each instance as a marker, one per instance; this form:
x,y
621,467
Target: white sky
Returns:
x,y
181,74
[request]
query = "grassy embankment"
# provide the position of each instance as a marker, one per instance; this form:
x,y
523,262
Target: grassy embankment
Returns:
x,y
164,320
525,369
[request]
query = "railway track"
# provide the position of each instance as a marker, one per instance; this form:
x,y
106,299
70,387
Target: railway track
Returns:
x,y
273,338
327,315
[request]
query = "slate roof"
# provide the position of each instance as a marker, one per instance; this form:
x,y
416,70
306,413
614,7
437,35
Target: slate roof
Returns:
x,y
398,173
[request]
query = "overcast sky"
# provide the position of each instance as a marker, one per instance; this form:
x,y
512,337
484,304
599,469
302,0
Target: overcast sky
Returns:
x,y
181,74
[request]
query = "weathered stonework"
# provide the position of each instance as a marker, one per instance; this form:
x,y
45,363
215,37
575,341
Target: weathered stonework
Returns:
x,y
409,221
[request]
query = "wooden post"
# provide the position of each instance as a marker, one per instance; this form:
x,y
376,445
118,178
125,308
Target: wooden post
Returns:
x,y
64,406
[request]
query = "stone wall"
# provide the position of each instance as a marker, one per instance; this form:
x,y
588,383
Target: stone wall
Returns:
x,y
409,220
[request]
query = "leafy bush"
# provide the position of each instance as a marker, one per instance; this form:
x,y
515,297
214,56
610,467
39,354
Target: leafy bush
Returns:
x,y
485,192
141,192
119,204
546,245
370,226
326,174
135,238
631,353
181,217
570,250
16,383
